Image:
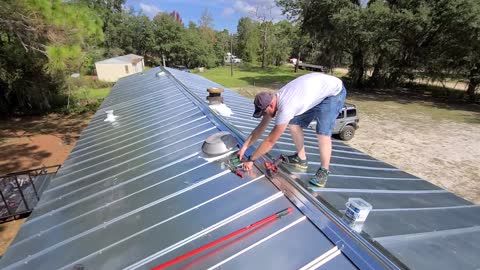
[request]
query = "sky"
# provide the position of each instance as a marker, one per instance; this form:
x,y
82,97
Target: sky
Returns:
x,y
225,13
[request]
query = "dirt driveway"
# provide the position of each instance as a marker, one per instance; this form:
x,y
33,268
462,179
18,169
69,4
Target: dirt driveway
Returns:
x,y
437,143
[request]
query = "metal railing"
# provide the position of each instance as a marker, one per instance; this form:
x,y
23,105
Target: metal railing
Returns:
x,y
20,191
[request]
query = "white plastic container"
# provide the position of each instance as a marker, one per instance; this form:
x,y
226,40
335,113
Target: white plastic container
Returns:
x,y
357,209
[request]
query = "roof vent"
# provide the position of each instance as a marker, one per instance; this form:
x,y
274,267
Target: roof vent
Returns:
x,y
215,95
215,101
160,74
219,143
110,117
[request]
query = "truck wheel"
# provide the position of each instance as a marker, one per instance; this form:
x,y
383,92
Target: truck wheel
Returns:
x,y
347,133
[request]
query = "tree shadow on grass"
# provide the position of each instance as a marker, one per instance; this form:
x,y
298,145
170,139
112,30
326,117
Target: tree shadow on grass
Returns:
x,y
259,69
14,153
418,96
272,81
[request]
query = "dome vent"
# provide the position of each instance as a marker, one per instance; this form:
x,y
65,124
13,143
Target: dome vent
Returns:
x,y
219,143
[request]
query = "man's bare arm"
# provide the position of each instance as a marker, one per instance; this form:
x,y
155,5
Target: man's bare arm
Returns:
x,y
269,141
256,133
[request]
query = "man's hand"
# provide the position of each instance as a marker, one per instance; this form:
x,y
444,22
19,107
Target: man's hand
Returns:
x,y
241,152
247,165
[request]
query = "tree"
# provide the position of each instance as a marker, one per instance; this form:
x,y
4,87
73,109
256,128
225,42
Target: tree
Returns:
x,y
199,51
398,40
248,41
42,42
263,14
205,26
282,42
105,9
222,46
168,38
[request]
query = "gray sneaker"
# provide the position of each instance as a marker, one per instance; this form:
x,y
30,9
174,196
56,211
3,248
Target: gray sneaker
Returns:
x,y
320,178
296,161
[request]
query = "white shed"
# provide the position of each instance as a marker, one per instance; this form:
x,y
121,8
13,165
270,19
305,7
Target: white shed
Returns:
x,y
110,70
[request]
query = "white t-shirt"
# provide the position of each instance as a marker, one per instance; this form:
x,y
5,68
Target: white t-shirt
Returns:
x,y
304,93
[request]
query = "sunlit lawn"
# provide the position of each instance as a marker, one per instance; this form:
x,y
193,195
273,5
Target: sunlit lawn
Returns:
x,y
91,93
246,75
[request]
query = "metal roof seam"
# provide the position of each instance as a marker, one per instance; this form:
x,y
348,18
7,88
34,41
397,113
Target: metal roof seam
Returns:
x,y
204,231
325,260
169,219
127,153
107,223
297,221
108,132
339,157
113,176
111,203
83,160
120,138
138,102
385,191
136,106
439,233
126,162
106,190
319,258
426,208
135,102
370,177
131,180
358,167
127,106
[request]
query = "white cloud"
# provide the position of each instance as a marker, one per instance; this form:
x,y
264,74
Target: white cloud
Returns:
x,y
149,10
227,11
251,8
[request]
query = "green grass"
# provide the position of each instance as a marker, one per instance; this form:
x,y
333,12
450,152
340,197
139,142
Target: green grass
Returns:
x,y
91,93
85,99
246,75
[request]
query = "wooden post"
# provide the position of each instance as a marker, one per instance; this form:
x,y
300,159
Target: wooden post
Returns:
x,y
231,54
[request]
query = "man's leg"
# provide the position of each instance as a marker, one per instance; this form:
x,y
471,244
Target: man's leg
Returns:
x,y
325,148
326,114
297,136
299,159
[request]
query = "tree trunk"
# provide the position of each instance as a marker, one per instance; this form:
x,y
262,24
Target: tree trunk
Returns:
x,y
474,80
264,47
376,74
357,70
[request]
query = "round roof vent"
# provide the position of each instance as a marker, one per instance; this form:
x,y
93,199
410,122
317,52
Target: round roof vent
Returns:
x,y
219,143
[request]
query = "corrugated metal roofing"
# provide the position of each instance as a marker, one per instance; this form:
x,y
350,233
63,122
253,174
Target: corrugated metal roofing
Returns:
x,y
138,191
129,58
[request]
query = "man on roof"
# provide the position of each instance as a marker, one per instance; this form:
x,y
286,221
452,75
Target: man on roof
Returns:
x,y
312,96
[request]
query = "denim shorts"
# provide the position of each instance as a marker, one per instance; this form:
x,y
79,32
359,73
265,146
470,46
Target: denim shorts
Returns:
x,y
325,113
